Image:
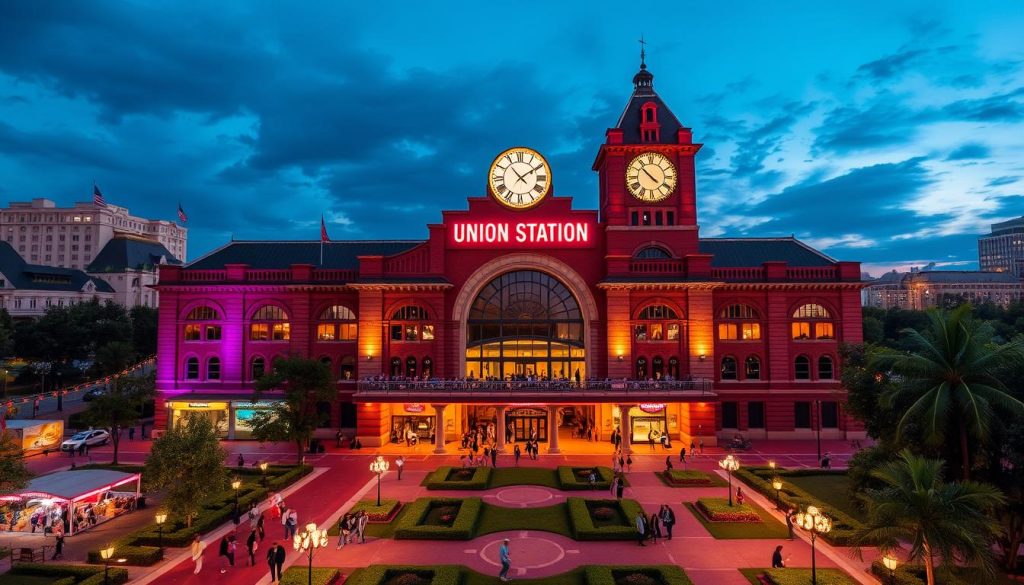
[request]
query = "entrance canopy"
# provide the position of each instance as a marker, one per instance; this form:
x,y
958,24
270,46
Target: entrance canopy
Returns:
x,y
72,486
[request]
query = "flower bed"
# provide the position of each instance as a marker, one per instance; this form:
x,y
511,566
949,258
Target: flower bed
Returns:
x,y
689,478
719,510
803,576
382,514
636,575
402,575
439,519
301,576
578,478
586,527
458,478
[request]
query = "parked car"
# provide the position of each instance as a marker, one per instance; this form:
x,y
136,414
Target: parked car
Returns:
x,y
90,438
93,393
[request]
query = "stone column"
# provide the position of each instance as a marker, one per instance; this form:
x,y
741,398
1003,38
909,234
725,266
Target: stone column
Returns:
x,y
625,428
439,428
231,421
499,431
553,430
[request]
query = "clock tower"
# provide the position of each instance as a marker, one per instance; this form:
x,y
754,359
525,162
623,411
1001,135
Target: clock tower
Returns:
x,y
646,177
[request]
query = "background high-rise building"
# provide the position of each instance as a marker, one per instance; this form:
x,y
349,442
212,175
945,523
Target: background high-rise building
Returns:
x,y
1003,249
72,237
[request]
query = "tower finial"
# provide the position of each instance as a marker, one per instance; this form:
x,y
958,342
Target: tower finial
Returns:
x,y
643,53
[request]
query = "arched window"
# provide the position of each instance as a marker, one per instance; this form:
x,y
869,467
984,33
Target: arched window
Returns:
x,y
825,370
213,368
673,368
202,313
656,323
197,331
257,368
739,322
658,367
652,253
802,368
641,368
752,368
812,321
192,368
410,367
396,367
728,368
428,367
337,323
270,323
323,414
408,324
347,371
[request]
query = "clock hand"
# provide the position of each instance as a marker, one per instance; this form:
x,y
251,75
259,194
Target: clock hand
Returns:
x,y
649,174
531,171
517,174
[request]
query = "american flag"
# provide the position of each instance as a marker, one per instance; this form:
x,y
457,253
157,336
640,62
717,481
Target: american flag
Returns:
x,y
181,214
97,197
323,231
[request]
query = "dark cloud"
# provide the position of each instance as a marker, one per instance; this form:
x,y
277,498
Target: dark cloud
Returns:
x,y
891,65
1000,181
968,151
1007,107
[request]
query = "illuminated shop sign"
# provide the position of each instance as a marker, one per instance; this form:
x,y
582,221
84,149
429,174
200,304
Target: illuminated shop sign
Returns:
x,y
414,407
546,234
652,408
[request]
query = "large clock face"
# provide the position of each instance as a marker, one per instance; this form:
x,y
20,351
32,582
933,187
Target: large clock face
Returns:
x,y
651,177
519,178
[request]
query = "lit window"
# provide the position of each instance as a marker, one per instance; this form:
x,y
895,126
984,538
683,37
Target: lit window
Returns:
x,y
192,332
270,323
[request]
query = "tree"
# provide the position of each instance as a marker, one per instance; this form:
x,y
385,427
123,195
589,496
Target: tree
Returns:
x,y
144,324
113,358
187,463
305,382
14,474
121,406
6,333
949,381
948,521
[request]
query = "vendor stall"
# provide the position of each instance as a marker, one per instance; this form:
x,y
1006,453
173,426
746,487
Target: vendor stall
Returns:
x,y
78,500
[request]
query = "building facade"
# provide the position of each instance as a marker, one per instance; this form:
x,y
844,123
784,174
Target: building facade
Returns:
x,y
71,237
129,264
28,290
527,314
1003,249
925,289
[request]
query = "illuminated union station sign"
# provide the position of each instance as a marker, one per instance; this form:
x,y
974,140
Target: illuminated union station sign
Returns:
x,y
525,232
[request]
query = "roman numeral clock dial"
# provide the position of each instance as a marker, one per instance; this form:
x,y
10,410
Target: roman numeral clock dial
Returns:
x,y
651,177
519,178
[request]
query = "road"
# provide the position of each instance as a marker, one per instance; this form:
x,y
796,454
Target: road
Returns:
x,y
72,401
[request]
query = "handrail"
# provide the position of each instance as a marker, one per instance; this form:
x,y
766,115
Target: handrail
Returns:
x,y
701,385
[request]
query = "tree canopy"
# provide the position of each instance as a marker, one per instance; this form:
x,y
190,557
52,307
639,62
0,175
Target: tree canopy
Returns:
x,y
304,383
187,463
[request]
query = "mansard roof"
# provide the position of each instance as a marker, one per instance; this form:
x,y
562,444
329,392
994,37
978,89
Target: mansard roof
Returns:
x,y
24,276
749,252
130,253
269,254
629,121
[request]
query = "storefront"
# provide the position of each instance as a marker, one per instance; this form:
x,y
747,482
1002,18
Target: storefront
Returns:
x,y
74,500
528,423
231,419
411,419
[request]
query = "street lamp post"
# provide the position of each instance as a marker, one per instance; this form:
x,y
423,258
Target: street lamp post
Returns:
x,y
891,563
161,517
814,522
263,470
817,407
729,464
307,542
777,484
379,466
235,484
772,464
106,553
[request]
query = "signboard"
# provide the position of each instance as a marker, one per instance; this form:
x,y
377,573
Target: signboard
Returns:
x,y
414,407
524,234
652,408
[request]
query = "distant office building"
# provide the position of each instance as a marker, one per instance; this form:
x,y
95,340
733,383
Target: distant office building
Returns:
x,y
927,288
129,265
72,237
1003,249
28,290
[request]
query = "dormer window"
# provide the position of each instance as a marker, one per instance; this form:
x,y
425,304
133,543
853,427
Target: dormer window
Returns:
x,y
649,127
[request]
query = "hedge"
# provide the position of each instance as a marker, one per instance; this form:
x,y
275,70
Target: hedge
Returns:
x,y
69,574
300,576
438,479
803,576
463,528
583,526
569,478
443,574
719,510
914,574
844,526
381,514
689,478
605,575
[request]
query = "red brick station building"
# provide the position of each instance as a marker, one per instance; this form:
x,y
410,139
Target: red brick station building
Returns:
x,y
522,312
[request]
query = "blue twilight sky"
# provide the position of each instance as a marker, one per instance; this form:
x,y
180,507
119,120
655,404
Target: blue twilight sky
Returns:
x,y
886,132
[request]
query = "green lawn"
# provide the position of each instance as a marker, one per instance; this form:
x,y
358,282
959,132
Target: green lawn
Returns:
x,y
548,519
832,489
506,476
768,527
466,576
799,576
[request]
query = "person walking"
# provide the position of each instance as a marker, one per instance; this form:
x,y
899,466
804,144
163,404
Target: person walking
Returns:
x,y
789,521
275,560
198,546
58,545
693,449
682,455
362,519
517,453
223,553
641,528
621,488
259,527
668,519
494,458
292,524
668,463
250,546
629,463
655,526
622,463
826,461
777,561
650,439
614,486
700,446
506,560
343,531
399,464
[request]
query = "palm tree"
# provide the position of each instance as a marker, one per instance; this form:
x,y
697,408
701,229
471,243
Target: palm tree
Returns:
x,y
950,379
951,521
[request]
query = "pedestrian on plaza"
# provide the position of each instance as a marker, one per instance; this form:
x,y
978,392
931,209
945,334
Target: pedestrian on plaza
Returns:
x,y
693,449
700,446
273,553
592,478
399,464
284,524
198,546
682,455
629,463
223,553
343,531
621,488
259,526
614,484
506,560
250,546
241,460
622,463
740,495
487,455
615,462
337,439
789,521
641,528
494,457
826,461
58,545
650,438
517,452
777,561
131,433
362,519
668,463
668,520
655,526
293,522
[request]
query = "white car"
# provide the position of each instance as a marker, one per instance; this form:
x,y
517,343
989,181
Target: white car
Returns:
x,y
90,438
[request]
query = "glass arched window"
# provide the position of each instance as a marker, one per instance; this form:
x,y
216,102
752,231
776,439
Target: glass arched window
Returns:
x,y
652,253
825,369
396,367
257,368
656,323
428,367
752,368
802,368
270,323
525,323
192,368
347,371
641,368
213,369
728,368
739,322
197,330
673,368
409,323
658,367
812,321
410,367
337,323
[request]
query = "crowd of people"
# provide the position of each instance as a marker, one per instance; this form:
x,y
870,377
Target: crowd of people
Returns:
x,y
527,382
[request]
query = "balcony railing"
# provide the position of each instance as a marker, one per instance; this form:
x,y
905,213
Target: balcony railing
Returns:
x,y
552,388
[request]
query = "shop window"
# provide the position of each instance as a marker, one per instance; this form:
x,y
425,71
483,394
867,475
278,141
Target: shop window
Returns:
x,y
755,415
213,369
812,321
257,368
410,367
407,324
752,368
802,415
825,368
641,368
337,323
192,368
270,323
802,368
396,367
347,371
428,367
193,332
728,368
673,368
323,414
829,414
730,415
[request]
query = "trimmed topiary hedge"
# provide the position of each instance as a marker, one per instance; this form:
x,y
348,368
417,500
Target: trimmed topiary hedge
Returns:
x,y
573,478
690,478
803,576
300,576
583,525
69,574
463,527
375,575
607,575
719,510
439,479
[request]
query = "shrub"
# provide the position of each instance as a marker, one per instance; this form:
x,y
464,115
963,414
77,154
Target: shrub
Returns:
x,y
803,576
380,574
577,478
69,574
377,514
463,525
300,576
687,478
441,478
136,556
646,574
719,510
582,523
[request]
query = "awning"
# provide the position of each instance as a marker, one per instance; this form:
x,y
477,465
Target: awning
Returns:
x,y
73,485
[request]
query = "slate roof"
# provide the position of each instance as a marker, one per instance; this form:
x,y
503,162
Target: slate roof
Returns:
x,y
750,252
127,253
282,254
643,92
24,276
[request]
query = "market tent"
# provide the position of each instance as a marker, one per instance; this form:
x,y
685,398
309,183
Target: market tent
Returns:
x,y
72,485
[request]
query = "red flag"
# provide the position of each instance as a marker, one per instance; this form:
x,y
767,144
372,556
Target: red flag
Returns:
x,y
323,231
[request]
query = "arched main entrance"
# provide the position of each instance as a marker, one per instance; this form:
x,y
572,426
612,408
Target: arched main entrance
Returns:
x,y
525,324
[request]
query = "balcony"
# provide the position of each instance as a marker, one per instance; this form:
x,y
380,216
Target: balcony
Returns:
x,y
530,391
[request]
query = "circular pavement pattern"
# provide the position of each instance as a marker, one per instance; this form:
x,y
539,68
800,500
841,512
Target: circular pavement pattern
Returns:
x,y
523,496
527,552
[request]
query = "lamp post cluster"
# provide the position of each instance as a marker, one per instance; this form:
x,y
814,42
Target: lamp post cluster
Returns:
x,y
814,522
307,542
106,554
730,464
263,470
161,517
379,466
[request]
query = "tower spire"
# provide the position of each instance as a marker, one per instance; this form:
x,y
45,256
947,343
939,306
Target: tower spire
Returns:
x,y
643,53
643,81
